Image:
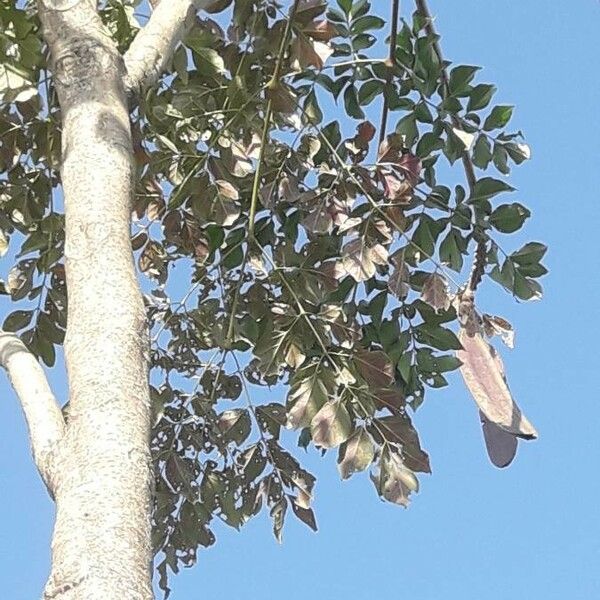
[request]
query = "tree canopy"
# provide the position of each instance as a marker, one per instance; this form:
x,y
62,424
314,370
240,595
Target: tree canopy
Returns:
x,y
339,258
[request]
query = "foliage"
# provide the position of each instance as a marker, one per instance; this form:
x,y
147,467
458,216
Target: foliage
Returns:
x,y
277,247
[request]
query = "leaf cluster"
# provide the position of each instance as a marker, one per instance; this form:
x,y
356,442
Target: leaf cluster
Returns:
x,y
279,249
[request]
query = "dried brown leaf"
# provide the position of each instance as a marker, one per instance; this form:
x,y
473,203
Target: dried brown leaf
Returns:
x,y
375,367
309,53
435,292
396,189
320,217
411,167
366,131
310,9
322,30
359,260
294,356
227,190
398,281
494,325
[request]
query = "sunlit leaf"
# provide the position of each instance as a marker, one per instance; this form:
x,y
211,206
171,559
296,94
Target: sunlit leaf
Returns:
x,y
356,454
331,426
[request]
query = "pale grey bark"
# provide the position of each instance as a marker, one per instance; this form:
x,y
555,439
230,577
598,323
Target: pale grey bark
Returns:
x,y
101,542
101,467
42,412
153,47
98,465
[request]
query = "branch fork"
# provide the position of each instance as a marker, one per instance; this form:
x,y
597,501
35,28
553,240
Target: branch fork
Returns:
x,y
145,61
154,46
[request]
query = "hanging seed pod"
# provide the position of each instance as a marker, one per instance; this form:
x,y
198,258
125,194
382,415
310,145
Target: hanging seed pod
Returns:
x,y
483,372
501,445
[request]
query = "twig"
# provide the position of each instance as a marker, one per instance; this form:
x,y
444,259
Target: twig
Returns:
x,y
478,268
273,82
391,63
430,29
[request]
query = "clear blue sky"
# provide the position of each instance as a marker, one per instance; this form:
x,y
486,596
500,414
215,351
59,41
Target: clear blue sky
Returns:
x,y
531,531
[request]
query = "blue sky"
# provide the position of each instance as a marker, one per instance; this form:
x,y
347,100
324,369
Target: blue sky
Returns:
x,y
473,532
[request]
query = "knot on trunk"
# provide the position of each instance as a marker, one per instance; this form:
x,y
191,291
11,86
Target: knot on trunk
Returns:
x,y
83,61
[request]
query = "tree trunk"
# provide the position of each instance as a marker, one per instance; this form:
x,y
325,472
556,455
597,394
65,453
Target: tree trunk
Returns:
x,y
101,546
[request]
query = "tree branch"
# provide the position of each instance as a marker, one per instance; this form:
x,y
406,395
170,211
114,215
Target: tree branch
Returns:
x,y
481,252
42,412
154,45
390,63
423,8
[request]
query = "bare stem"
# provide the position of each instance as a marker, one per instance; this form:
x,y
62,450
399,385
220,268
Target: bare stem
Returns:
x,y
273,82
391,63
481,251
